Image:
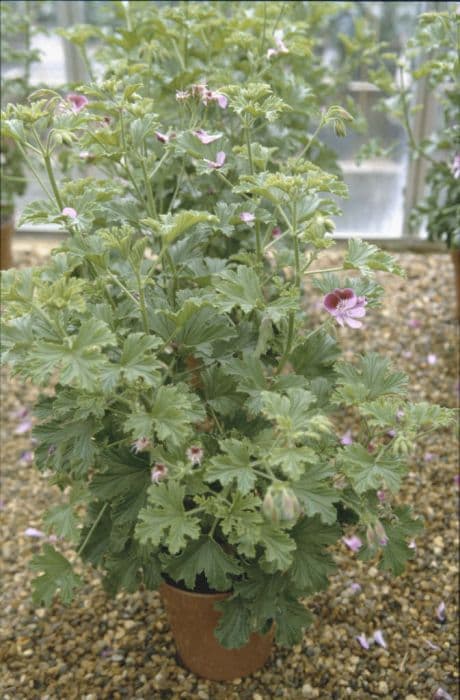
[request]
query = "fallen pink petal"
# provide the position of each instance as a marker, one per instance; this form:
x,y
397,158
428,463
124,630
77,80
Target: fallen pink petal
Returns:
x,y
414,323
435,647
441,612
429,456
355,587
362,639
26,457
441,694
345,307
33,532
432,358
24,427
378,639
354,543
457,480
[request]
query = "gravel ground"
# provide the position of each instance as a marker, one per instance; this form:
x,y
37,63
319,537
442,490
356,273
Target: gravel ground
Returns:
x,y
122,648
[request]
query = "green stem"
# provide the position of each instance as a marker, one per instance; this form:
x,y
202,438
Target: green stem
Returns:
x,y
319,272
296,246
95,524
150,198
33,171
52,180
289,340
310,141
248,146
406,120
122,286
142,302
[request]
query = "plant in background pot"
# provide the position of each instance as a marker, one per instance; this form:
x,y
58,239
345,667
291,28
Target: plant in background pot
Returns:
x,y
17,58
431,66
192,412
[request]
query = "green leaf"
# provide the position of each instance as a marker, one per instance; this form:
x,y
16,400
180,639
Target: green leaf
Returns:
x,y
123,484
137,360
315,356
234,627
290,621
241,522
292,460
368,471
371,379
204,326
396,552
172,415
203,557
240,287
57,576
79,358
233,464
278,547
171,226
292,413
62,521
315,495
164,520
367,257
312,564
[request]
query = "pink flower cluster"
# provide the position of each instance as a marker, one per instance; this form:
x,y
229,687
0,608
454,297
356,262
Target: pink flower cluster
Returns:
x,y
279,43
204,94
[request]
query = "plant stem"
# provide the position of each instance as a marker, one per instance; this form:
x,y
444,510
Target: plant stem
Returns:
x,y
51,178
310,141
318,272
290,338
94,525
142,302
296,246
151,207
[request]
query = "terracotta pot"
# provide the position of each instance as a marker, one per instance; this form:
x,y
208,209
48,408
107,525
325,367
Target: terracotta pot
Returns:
x,y
193,620
6,235
455,255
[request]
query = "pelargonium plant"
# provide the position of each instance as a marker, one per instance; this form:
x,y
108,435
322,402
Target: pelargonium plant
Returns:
x,y
192,416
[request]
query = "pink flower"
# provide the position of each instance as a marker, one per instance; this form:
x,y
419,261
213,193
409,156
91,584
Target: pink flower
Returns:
x,y
70,212
391,433
247,217
441,612
276,232
378,638
159,472
346,438
78,102
381,495
362,639
280,45
353,543
399,414
431,358
141,444
33,532
218,163
182,95
205,137
346,307
164,138
195,454
218,97
456,166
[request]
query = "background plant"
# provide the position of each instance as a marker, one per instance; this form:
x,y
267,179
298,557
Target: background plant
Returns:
x,y
431,58
191,419
17,54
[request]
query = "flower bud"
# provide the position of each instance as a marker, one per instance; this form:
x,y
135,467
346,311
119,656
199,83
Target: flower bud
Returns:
x,y
281,504
268,507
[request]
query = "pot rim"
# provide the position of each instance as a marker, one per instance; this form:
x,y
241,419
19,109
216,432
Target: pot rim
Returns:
x,y
193,594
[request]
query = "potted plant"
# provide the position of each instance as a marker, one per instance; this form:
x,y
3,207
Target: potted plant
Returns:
x,y
17,58
192,414
431,66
